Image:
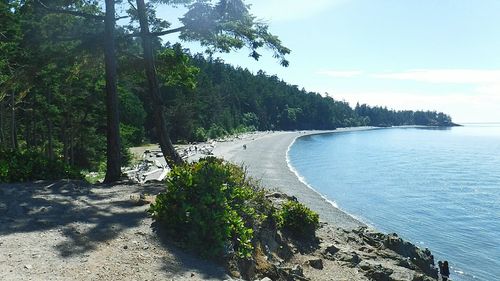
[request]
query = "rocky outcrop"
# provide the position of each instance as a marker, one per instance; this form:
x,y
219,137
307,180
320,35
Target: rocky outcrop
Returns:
x,y
423,259
335,253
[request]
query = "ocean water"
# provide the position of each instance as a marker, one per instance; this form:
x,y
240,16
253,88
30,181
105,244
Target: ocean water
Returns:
x,y
438,188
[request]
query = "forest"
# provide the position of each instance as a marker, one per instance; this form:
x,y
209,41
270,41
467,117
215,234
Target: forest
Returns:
x,y
78,89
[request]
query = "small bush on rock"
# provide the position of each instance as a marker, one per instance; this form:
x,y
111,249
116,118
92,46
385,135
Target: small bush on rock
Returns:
x,y
297,219
210,207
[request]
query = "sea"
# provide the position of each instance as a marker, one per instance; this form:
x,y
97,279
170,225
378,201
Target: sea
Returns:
x,y
436,187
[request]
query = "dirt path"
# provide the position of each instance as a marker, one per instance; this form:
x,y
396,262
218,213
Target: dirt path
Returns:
x,y
75,231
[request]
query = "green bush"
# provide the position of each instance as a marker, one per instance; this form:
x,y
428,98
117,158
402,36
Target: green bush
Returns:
x,y
210,207
216,131
200,134
16,166
297,219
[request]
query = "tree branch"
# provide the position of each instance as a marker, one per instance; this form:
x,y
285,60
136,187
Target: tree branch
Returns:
x,y
132,5
170,31
159,33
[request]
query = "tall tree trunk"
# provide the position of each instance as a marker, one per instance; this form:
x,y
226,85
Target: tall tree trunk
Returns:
x,y
2,135
72,147
50,149
27,126
113,167
13,130
34,132
65,137
168,150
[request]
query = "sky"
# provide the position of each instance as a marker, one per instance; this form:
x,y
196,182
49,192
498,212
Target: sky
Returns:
x,y
441,55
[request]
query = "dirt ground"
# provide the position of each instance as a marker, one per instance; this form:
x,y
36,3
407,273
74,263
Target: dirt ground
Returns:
x,y
69,230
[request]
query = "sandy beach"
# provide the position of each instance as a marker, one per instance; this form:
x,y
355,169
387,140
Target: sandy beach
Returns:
x,y
265,159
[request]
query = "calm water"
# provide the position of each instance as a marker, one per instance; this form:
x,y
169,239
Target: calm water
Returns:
x,y
439,188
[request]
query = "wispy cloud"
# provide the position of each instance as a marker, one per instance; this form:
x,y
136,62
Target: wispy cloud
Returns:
x,y
454,76
286,10
340,73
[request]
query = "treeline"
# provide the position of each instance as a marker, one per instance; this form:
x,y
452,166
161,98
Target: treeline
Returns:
x,y
383,117
52,91
231,99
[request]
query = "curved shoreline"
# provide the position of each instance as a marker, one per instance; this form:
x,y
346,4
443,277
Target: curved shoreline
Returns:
x,y
266,159
304,181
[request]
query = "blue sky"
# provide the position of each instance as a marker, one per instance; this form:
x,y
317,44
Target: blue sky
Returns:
x,y
405,54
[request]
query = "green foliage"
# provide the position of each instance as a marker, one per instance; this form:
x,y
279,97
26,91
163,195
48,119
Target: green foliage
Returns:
x,y
200,134
216,131
132,118
210,207
250,119
175,69
131,135
225,26
18,166
297,219
96,177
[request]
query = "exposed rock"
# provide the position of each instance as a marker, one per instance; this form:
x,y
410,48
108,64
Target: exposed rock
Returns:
x,y
352,258
406,264
422,277
423,259
297,270
294,273
330,250
378,273
315,263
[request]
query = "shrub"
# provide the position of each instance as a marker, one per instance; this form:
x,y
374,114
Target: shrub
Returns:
x,y
16,166
210,207
297,219
216,131
200,134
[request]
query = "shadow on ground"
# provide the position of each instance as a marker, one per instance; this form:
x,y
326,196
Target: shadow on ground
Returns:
x,y
207,269
39,206
86,216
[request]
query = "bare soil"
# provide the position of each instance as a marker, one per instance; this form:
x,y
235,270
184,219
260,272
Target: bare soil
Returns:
x,y
69,230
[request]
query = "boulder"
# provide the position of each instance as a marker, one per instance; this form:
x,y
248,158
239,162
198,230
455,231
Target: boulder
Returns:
x,y
315,263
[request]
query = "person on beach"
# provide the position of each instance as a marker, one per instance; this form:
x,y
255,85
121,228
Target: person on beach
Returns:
x,y
244,147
